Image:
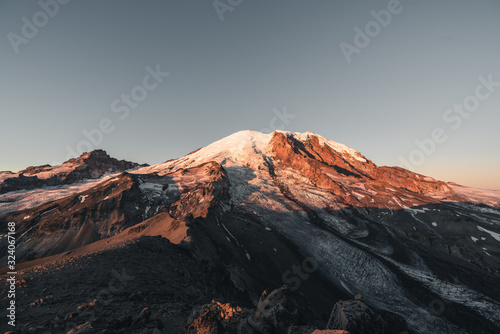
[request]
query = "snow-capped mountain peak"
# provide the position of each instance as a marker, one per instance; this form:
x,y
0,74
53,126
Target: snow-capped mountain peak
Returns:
x,y
250,148
261,203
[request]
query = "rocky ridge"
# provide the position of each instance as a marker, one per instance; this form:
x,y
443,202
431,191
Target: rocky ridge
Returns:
x,y
295,209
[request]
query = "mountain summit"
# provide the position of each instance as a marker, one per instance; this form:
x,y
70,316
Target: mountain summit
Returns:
x,y
263,210
307,160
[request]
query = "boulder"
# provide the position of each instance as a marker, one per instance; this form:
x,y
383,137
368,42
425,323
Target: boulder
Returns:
x,y
356,317
278,310
214,318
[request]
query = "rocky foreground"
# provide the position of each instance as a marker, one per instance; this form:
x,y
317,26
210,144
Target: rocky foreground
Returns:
x,y
153,286
249,213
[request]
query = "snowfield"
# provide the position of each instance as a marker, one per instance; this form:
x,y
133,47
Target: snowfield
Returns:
x,y
26,199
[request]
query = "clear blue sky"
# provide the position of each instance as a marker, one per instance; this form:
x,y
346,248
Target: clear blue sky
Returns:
x,y
226,76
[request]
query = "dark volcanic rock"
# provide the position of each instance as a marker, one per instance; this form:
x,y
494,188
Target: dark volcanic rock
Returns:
x,y
278,310
358,318
276,209
216,318
131,288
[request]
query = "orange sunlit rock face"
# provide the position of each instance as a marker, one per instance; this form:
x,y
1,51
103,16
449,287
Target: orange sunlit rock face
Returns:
x,y
340,173
227,311
215,316
242,215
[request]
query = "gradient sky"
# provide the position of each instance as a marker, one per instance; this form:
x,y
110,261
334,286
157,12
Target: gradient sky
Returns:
x,y
230,75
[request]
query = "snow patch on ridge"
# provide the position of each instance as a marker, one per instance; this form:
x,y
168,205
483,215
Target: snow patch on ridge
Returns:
x,y
495,235
26,199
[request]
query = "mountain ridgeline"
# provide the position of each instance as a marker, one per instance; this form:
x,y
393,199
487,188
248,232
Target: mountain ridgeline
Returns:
x,y
334,241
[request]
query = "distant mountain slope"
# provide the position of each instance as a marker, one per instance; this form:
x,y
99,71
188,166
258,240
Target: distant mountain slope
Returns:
x,y
92,165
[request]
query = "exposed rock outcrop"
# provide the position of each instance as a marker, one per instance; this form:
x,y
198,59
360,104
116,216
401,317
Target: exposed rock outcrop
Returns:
x,y
271,209
216,318
358,318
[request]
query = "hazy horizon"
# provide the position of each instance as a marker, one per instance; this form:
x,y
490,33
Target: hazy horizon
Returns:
x,y
265,66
